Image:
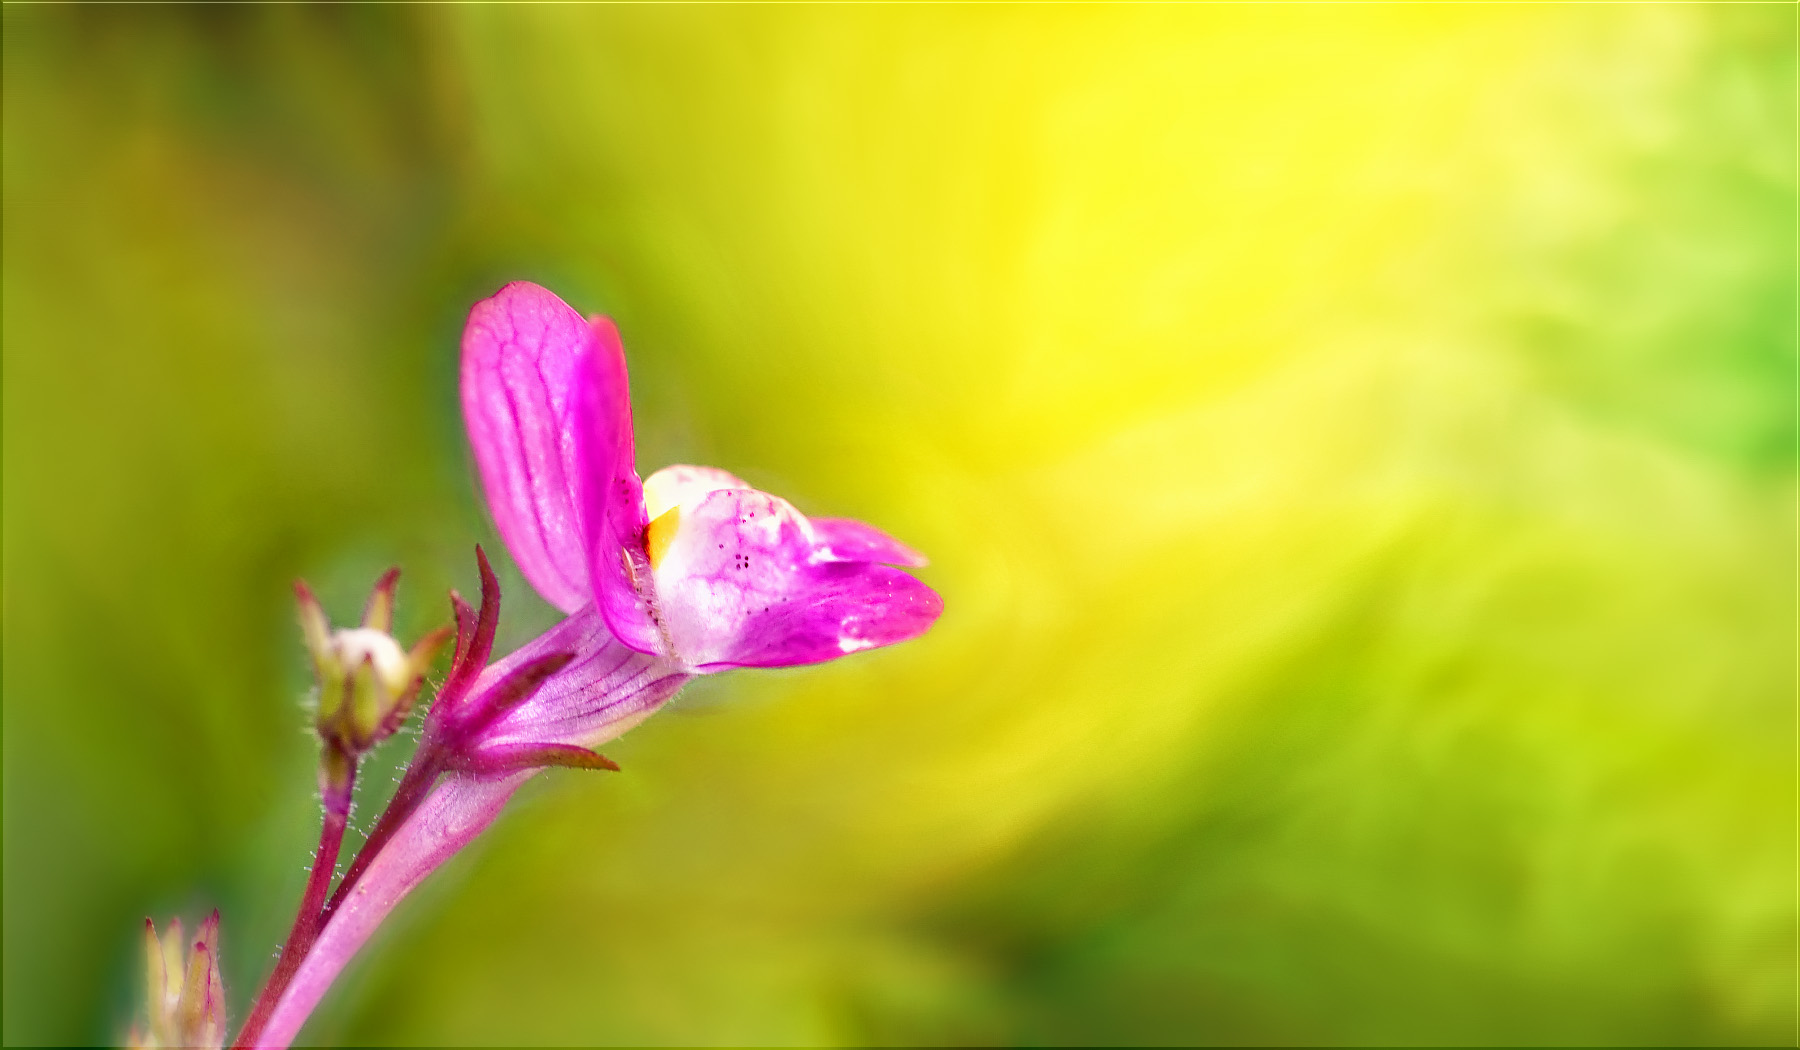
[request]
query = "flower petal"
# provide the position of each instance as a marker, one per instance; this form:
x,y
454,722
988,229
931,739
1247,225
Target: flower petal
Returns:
x,y
740,587
846,539
836,609
521,351
613,499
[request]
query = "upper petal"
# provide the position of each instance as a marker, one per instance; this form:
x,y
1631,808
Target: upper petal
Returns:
x,y
613,499
742,585
522,357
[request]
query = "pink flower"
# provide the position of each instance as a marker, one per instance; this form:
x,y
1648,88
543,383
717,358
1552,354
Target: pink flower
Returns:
x,y
689,572
691,564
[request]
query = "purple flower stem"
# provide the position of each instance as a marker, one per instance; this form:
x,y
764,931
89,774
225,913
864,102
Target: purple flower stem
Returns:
x,y
310,919
460,808
413,786
315,909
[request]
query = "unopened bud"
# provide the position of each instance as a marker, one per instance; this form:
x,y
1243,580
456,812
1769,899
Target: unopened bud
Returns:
x,y
186,998
367,682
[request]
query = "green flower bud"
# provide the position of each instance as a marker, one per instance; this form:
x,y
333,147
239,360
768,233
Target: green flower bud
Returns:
x,y
186,1001
367,682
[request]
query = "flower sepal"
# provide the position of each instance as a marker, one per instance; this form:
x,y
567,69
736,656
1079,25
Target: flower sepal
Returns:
x,y
460,729
511,758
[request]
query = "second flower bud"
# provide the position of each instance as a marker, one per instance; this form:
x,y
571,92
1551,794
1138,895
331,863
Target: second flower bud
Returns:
x,y
367,681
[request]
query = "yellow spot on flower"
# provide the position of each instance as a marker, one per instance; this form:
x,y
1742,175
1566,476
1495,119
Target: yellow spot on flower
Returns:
x,y
661,533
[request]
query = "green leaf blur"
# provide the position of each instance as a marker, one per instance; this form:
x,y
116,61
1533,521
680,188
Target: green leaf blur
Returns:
x,y
1356,448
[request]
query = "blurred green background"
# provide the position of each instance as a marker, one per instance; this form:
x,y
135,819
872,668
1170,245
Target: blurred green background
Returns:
x,y
1356,448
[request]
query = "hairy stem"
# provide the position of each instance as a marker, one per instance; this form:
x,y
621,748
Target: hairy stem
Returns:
x,y
311,918
457,810
419,776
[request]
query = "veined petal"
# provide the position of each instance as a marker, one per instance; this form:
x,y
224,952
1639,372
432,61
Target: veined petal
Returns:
x,y
523,355
613,499
740,586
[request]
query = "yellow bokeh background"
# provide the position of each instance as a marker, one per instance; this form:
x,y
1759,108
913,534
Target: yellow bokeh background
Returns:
x,y
1355,447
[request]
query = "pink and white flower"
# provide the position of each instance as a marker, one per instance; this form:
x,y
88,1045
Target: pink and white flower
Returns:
x,y
690,571
692,563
